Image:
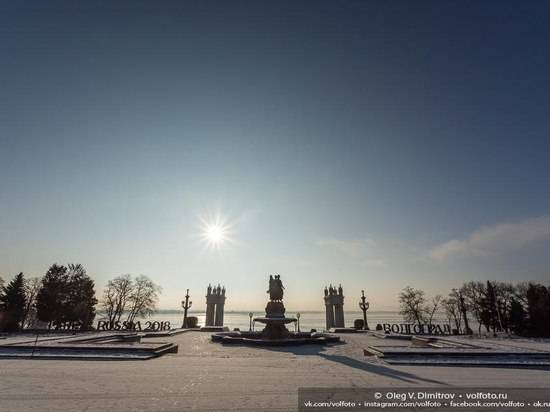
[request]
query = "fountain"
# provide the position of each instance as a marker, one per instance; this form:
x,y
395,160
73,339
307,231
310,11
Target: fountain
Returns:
x,y
275,332
275,319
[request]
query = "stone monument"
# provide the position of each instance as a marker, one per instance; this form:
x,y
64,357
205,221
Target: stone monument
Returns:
x,y
275,319
334,306
275,332
215,301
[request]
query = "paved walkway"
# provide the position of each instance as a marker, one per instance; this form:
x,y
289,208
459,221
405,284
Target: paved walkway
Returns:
x,y
206,376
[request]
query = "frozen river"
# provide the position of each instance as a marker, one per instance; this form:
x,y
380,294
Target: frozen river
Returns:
x,y
308,319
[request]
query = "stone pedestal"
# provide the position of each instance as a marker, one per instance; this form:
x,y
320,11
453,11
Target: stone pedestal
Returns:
x,y
275,321
334,307
275,310
215,302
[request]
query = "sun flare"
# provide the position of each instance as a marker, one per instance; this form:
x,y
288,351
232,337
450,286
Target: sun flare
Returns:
x,y
215,232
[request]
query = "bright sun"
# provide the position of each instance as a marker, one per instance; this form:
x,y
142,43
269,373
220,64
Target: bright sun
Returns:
x,y
215,232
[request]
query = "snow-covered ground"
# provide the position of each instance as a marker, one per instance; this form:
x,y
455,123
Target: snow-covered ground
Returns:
x,y
208,376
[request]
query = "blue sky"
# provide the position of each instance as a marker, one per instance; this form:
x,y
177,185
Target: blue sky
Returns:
x,y
373,144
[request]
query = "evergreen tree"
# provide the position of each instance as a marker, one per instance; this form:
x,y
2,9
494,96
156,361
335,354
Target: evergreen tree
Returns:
x,y
12,303
51,302
489,312
67,295
517,317
81,300
538,310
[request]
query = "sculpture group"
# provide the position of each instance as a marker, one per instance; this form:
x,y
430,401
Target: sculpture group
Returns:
x,y
276,288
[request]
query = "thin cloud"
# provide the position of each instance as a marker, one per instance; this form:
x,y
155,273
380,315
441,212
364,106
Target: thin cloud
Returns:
x,y
353,248
374,263
496,240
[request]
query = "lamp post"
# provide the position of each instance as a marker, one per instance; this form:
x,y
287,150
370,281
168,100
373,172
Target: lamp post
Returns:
x,y
364,306
185,305
298,321
250,314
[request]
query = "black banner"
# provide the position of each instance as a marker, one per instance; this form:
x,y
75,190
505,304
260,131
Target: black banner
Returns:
x,y
415,329
149,326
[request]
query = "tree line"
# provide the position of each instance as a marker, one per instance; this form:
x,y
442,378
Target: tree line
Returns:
x,y
522,309
66,295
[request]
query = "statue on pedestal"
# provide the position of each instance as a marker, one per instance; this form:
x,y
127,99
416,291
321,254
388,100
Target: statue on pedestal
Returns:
x,y
275,307
275,288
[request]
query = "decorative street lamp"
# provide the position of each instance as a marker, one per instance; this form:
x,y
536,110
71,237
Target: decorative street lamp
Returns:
x,y
250,314
298,320
364,306
185,305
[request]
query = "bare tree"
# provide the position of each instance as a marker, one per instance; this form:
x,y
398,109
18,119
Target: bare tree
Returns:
x,y
451,306
143,299
506,293
433,307
474,295
116,296
413,305
32,287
